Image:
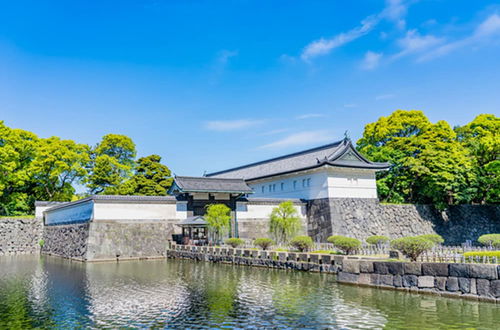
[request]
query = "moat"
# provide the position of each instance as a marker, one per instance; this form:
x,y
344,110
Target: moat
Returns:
x,y
46,292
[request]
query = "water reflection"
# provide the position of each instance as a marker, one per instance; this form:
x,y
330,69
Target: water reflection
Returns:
x,y
50,292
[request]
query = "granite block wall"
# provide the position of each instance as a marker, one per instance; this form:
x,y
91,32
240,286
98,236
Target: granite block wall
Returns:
x,y
361,218
67,241
20,236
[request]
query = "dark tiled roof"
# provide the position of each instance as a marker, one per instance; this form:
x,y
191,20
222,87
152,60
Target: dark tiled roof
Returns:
x,y
197,220
330,154
204,184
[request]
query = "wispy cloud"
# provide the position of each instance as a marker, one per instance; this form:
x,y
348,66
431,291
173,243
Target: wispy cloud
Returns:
x,y
413,43
275,131
395,11
384,97
371,60
224,55
230,125
483,33
301,139
310,115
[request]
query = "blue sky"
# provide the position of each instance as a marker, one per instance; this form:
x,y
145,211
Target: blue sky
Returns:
x,y
214,84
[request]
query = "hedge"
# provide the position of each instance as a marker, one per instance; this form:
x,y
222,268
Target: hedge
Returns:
x,y
345,244
412,247
434,238
263,243
301,243
377,239
234,242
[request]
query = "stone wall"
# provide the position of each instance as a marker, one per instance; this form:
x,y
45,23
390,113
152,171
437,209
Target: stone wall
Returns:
x,y
361,218
127,240
474,281
67,241
20,236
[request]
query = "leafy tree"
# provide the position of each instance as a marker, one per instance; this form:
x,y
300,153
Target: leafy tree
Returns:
x,y
377,240
481,137
218,217
57,165
264,243
489,239
151,178
112,162
302,243
412,247
284,222
434,238
234,242
429,164
345,244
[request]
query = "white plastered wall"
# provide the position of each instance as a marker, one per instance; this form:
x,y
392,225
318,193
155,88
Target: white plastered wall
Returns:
x,y
135,211
262,211
351,183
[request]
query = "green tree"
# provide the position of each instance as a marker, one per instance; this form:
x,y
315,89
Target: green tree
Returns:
x,y
112,162
57,166
218,217
429,164
481,138
151,178
284,222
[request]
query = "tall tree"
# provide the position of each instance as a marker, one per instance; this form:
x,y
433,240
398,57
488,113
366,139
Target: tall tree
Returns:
x,y
112,162
481,137
151,178
57,166
429,164
284,222
218,217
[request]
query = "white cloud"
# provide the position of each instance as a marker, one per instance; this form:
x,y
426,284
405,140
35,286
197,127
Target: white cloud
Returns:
x,y
413,43
224,56
486,30
384,97
371,60
301,139
275,131
324,46
310,115
230,125
395,11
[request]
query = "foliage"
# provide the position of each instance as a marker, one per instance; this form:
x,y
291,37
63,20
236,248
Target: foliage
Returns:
x,y
377,239
412,247
489,254
490,240
218,217
434,238
234,242
112,161
151,178
346,244
302,243
482,139
431,164
263,243
284,222
41,242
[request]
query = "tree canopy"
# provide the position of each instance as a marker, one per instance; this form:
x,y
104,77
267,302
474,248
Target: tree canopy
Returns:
x,y
33,168
433,163
284,222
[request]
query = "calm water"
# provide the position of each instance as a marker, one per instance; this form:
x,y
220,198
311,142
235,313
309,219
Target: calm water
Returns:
x,y
50,292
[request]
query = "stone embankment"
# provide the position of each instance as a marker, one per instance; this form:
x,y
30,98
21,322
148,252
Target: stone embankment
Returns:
x,y
473,281
20,236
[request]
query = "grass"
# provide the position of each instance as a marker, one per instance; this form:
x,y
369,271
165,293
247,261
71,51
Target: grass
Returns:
x,y
325,252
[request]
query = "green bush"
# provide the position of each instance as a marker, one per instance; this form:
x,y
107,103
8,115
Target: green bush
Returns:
x,y
377,240
234,242
263,243
41,243
434,238
412,247
489,254
302,243
490,239
345,244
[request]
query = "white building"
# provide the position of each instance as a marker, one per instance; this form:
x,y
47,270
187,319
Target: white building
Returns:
x,y
334,170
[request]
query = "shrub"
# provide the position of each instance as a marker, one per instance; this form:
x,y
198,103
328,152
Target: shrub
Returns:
x,y
284,222
489,254
345,244
41,243
434,238
377,240
490,239
234,242
263,243
412,247
301,243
